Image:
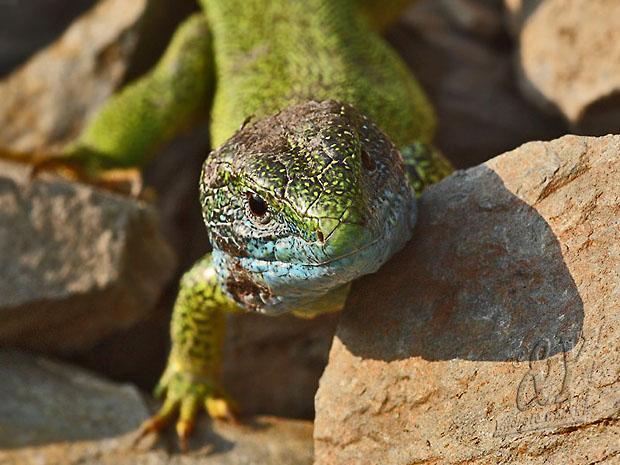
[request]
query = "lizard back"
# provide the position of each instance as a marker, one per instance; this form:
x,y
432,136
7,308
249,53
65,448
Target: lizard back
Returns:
x,y
278,53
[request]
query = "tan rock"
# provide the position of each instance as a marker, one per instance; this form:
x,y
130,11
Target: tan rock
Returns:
x,y
76,263
44,103
56,414
494,336
570,60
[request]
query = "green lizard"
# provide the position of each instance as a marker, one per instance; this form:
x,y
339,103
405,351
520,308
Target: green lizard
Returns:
x,y
308,195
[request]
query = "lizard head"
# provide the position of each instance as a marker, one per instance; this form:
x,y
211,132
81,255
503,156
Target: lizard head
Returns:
x,y
303,202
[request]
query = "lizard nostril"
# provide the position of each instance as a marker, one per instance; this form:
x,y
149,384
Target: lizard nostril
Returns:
x,y
367,161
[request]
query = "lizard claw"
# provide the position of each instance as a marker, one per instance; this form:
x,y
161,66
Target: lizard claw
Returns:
x,y
156,423
142,433
222,408
126,181
186,395
184,429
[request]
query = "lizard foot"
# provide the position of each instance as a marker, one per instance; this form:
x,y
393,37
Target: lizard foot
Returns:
x,y
127,181
186,393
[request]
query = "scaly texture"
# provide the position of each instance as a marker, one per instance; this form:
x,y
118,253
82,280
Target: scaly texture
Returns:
x,y
145,114
310,197
271,55
302,203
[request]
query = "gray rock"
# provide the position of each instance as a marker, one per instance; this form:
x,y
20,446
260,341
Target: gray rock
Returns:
x,y
477,17
569,60
46,402
494,337
44,20
53,413
76,263
44,103
273,365
517,12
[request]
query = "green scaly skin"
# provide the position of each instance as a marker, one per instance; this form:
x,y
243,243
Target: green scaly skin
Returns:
x,y
134,123
144,115
330,52
260,57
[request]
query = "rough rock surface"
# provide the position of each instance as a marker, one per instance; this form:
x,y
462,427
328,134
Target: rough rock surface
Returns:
x,y
44,103
75,263
572,64
469,76
47,18
273,365
494,336
57,414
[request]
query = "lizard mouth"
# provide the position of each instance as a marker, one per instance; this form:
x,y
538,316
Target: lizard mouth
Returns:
x,y
316,264
352,253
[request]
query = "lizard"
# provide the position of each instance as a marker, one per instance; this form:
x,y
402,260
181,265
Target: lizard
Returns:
x,y
324,141
308,198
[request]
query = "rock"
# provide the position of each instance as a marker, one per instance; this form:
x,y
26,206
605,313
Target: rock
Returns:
x,y
139,353
53,413
478,17
44,103
273,365
517,12
28,26
494,336
570,61
470,80
76,263
46,402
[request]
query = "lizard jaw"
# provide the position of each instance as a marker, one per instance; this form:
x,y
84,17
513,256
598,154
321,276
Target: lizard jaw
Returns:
x,y
273,286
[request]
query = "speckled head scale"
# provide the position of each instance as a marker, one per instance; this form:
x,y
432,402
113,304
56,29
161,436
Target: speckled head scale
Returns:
x,y
300,194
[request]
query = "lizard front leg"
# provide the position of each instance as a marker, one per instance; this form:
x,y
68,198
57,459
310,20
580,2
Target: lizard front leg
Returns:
x,y
129,128
425,164
145,114
191,378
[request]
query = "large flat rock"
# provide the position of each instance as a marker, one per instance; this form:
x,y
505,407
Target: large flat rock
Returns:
x,y
53,413
494,337
76,264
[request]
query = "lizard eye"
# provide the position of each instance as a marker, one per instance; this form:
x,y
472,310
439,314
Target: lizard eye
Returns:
x,y
258,207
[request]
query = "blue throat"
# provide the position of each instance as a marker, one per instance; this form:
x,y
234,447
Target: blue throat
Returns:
x,y
274,286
